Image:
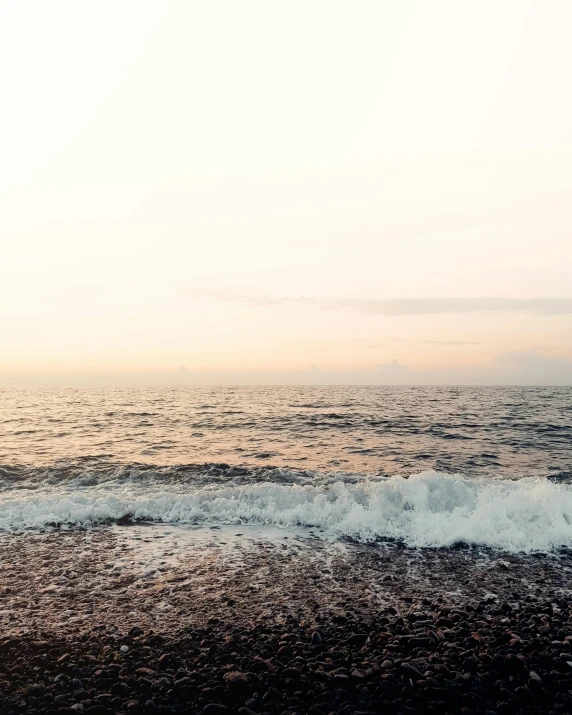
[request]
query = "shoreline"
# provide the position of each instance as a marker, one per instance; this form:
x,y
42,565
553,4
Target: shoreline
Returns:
x,y
278,622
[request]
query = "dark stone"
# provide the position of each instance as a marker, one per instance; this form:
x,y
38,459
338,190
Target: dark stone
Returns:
x,y
119,689
148,672
411,672
291,673
238,681
513,664
317,638
358,639
215,709
96,710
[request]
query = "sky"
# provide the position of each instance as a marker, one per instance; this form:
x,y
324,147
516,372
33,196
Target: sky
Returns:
x,y
268,192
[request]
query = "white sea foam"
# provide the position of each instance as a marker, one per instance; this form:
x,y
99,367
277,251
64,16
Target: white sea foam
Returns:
x,y
429,509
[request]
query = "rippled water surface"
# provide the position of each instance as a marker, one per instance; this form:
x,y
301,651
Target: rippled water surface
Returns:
x,y
378,430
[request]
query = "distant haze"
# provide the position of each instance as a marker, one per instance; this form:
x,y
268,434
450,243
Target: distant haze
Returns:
x,y
304,192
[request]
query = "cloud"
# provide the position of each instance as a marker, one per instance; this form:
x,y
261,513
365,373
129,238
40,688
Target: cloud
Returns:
x,y
542,369
426,342
511,368
449,342
433,306
229,295
393,367
393,307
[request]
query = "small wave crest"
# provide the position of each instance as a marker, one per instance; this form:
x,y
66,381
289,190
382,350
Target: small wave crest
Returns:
x,y
429,509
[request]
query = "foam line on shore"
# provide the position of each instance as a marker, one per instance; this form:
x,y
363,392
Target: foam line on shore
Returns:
x,y
429,509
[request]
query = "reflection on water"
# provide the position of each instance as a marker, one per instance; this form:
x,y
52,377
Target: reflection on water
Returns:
x,y
497,431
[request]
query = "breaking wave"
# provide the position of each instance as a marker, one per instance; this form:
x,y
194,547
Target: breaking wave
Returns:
x,y
429,509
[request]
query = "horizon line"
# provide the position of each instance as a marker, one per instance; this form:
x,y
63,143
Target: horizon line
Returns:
x,y
287,384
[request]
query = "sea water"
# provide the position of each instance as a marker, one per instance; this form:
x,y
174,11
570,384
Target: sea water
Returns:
x,y
424,466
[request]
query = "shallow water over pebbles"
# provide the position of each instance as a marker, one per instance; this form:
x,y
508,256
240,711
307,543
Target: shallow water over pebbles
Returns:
x,y
167,578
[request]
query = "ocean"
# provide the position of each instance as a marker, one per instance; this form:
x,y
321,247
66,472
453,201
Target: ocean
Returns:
x,y
424,466
286,550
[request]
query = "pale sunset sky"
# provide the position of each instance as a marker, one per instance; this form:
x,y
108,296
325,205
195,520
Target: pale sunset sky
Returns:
x,y
285,192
